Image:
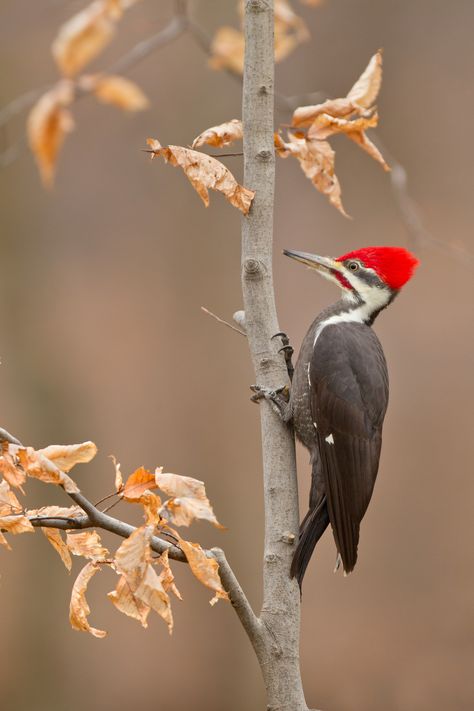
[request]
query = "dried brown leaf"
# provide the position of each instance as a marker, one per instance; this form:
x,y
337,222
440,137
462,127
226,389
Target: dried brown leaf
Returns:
x,y
205,569
118,475
290,30
38,466
87,544
366,89
54,537
316,159
126,602
227,50
9,504
79,609
366,144
9,467
118,91
55,512
137,483
221,135
151,592
4,542
66,456
358,101
16,523
133,560
84,36
189,499
166,575
205,173
48,123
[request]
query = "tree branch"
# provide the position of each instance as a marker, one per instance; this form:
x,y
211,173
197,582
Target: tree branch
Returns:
x,y
278,652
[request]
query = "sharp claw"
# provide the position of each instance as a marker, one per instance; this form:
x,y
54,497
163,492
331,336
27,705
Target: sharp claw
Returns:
x,y
280,333
288,348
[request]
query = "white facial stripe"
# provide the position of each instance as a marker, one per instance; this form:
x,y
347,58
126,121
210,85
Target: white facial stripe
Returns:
x,y
329,439
374,300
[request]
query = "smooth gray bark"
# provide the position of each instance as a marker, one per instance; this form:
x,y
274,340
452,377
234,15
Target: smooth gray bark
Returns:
x,y
278,645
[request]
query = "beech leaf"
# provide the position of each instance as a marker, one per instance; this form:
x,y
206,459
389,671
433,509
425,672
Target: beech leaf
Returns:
x,y
16,523
79,609
84,36
205,569
38,466
9,504
87,544
137,483
54,537
221,135
9,467
316,159
116,90
66,456
205,173
166,575
133,560
189,500
48,124
126,602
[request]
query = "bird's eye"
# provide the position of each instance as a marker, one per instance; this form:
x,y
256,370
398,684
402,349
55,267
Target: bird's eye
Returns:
x,y
353,266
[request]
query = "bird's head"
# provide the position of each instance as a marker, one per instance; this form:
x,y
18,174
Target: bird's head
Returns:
x,y
373,275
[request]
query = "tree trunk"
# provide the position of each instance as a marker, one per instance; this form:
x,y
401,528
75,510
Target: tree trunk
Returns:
x,y
278,647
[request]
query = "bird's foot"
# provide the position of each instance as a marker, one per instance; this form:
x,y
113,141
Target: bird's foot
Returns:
x,y
278,399
288,351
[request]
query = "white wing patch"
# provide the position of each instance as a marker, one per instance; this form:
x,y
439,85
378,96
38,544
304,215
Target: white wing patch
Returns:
x,y
329,439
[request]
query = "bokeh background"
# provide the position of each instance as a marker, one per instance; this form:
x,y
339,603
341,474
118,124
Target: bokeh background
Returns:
x,y
102,338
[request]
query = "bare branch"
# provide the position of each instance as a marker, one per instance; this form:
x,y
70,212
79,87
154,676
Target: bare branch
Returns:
x,y
221,320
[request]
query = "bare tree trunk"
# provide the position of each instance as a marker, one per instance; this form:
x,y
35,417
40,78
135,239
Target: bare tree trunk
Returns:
x,y
278,646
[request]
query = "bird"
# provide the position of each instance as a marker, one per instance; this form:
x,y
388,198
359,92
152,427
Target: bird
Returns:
x,y
339,395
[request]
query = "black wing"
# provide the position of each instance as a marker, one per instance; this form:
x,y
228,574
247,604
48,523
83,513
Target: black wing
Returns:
x,y
349,397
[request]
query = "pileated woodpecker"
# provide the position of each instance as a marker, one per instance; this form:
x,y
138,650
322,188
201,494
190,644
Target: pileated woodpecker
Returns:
x,y
339,395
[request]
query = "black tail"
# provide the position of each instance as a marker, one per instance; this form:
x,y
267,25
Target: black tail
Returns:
x,y
312,528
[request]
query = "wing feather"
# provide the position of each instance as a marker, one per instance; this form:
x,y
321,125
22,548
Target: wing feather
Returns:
x,y
348,402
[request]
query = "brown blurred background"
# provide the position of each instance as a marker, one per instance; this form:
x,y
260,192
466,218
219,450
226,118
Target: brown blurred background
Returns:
x,y
102,338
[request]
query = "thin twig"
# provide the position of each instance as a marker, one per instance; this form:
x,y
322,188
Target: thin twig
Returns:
x,y
221,320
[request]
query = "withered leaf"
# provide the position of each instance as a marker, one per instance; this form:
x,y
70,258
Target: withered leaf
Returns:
x,y
221,135
152,593
137,483
84,36
48,123
189,499
55,512
166,575
227,50
358,101
133,560
16,523
9,467
316,159
205,569
66,456
9,504
118,475
4,542
38,466
54,537
227,47
79,609
205,173
87,544
116,90
366,89
126,602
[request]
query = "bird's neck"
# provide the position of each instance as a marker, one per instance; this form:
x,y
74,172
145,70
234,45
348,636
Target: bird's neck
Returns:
x,y
359,308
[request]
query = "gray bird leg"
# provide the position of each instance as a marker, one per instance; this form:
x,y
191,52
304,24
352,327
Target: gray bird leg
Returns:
x,y
288,351
278,399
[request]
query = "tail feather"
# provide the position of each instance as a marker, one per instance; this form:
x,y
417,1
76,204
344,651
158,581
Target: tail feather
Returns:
x,y
312,528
